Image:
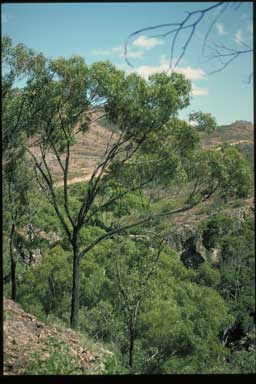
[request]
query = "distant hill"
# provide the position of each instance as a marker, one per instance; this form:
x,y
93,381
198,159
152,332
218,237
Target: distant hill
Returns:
x,y
239,131
89,148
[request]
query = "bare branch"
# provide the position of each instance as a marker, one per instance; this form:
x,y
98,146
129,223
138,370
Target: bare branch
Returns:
x,y
212,25
181,26
53,200
186,24
230,56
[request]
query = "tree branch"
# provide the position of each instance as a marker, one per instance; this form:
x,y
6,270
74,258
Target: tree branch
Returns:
x,y
139,222
180,27
53,199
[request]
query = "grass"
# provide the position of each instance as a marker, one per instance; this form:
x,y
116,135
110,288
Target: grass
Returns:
x,y
58,362
85,341
7,315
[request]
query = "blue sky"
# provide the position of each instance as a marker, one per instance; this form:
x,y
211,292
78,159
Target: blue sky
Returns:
x,y
97,31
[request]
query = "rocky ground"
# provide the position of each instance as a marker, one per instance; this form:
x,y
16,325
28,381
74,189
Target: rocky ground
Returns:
x,y
25,335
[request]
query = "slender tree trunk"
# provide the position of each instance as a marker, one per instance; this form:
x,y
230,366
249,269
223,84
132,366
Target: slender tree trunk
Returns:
x,y
13,263
131,346
75,287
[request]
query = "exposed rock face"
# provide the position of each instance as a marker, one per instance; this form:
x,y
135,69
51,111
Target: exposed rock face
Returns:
x,y
189,241
29,256
24,247
190,256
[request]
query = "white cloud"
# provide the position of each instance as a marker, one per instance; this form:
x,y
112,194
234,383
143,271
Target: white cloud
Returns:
x,y
147,70
142,42
147,42
238,37
220,29
197,91
192,73
133,54
100,52
117,51
189,72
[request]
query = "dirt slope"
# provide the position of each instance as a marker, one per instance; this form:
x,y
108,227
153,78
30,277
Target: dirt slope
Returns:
x,y
24,335
88,151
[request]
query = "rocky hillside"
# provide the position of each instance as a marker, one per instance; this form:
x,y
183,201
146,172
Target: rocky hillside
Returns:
x,y
32,347
235,133
90,147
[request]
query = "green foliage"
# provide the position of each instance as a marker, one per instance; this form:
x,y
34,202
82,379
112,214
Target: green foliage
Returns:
x,y
130,203
114,366
237,270
205,122
99,321
135,104
223,170
215,228
238,179
243,362
45,288
182,322
208,276
236,266
247,150
184,138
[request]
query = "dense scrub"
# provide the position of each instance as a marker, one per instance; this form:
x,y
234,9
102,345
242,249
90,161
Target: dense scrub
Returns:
x,y
187,321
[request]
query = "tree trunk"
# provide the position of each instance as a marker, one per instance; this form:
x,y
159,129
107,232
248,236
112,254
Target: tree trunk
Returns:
x,y
75,288
13,264
131,346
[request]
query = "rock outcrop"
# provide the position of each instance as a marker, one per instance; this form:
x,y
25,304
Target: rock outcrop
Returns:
x,y
188,239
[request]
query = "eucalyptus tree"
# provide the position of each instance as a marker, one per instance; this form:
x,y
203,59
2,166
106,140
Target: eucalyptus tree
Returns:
x,y
137,110
150,145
